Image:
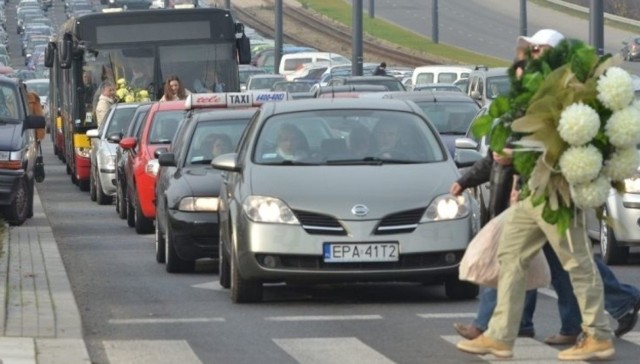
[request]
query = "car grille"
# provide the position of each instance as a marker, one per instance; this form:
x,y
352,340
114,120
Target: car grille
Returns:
x,y
406,261
401,222
319,224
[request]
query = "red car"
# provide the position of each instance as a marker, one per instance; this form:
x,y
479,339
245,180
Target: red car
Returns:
x,y
141,167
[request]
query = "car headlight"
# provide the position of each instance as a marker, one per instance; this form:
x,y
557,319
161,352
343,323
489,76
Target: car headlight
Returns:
x,y
632,185
447,207
268,209
107,160
152,167
83,152
194,204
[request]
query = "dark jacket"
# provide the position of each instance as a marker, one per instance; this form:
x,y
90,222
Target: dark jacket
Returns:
x,y
500,180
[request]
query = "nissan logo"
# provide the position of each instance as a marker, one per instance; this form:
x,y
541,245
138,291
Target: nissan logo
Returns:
x,y
360,210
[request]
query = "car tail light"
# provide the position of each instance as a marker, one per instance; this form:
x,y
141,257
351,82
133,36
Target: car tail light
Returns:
x,y
10,164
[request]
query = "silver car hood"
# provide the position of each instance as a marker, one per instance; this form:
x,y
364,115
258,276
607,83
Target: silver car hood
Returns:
x,y
335,190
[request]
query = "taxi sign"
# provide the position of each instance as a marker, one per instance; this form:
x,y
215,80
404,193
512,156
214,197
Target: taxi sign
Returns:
x,y
233,99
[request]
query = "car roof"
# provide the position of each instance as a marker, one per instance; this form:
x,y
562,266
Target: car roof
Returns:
x,y
336,104
439,96
169,105
493,71
223,114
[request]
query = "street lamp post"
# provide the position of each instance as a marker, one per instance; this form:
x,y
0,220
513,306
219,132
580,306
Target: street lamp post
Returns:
x,y
356,57
278,41
596,22
434,21
372,10
523,17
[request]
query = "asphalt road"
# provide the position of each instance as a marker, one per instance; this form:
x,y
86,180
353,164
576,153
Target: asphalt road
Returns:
x,y
490,26
135,312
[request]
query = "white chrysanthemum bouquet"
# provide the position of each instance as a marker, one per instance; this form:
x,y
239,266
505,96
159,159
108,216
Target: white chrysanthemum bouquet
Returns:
x,y
575,125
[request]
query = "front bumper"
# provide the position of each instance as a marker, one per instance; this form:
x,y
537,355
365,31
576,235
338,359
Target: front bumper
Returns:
x,y
83,168
195,234
431,252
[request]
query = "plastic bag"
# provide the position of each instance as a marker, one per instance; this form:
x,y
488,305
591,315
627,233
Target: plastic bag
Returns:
x,y
38,171
480,261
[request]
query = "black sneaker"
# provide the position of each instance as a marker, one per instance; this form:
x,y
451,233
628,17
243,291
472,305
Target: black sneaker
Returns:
x,y
628,321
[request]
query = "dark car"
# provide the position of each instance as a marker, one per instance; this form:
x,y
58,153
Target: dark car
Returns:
x,y
121,157
390,82
631,49
128,4
17,152
187,187
451,112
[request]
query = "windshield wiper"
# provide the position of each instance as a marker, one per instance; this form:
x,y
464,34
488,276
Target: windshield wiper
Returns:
x,y
160,141
375,161
288,162
452,133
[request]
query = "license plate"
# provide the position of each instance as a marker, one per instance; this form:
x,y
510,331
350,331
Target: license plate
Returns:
x,y
361,252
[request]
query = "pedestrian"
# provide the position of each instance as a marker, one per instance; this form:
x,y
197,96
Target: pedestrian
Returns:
x,y
524,233
381,70
35,108
106,99
174,90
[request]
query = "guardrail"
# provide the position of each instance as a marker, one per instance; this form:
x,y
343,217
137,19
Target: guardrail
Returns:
x,y
586,11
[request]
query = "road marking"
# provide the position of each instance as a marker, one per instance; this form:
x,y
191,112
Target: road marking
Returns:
x,y
324,318
17,350
447,315
166,320
632,337
525,351
331,350
150,352
213,285
548,292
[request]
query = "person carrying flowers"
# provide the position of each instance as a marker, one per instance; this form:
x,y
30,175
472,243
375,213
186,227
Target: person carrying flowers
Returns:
x,y
573,122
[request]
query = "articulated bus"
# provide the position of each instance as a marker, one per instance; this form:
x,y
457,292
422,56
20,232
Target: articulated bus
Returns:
x,y
135,51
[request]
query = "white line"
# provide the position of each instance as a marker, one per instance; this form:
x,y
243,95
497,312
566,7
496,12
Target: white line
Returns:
x,y
632,337
447,315
166,320
324,318
331,350
150,352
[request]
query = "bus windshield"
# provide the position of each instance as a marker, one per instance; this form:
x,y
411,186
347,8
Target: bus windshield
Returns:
x,y
201,68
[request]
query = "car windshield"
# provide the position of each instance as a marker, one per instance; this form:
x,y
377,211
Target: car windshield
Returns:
x,y
450,117
346,137
213,138
164,126
120,120
498,85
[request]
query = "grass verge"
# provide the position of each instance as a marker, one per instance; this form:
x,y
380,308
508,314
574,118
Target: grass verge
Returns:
x,y
340,11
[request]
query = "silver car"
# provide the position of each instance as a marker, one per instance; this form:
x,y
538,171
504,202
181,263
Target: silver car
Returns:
x,y
104,140
338,190
623,210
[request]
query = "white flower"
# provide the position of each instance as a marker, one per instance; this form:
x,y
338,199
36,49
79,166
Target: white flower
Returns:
x,y
581,164
623,164
578,124
623,127
591,194
615,89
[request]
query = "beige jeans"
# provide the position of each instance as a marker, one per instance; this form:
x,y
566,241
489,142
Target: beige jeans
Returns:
x,y
524,234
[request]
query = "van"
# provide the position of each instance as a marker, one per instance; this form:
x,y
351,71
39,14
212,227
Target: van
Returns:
x,y
439,74
17,152
289,63
485,84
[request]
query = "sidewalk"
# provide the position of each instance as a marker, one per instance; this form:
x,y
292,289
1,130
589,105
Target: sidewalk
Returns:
x,y
39,318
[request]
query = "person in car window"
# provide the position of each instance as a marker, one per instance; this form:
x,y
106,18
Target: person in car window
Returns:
x,y
174,90
210,83
221,144
292,144
89,89
360,141
386,139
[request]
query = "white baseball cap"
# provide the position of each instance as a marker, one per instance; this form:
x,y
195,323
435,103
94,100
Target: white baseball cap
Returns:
x,y
548,37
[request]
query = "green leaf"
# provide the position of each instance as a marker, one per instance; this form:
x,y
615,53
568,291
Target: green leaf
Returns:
x,y
499,106
482,126
549,215
499,135
564,219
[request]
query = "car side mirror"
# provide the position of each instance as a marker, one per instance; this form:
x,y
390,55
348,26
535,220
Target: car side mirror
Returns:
x,y
160,151
93,133
476,95
66,54
226,162
128,143
167,159
466,157
34,122
49,53
114,137
466,143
